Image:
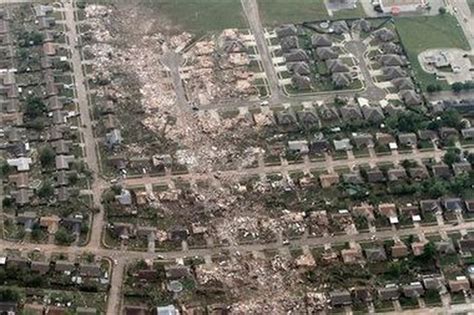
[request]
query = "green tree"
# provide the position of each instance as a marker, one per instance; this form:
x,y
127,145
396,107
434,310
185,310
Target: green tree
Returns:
x,y
64,237
431,88
35,107
46,190
47,156
452,156
442,10
457,87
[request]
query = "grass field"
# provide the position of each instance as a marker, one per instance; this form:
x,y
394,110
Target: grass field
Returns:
x,y
276,12
471,5
197,16
425,32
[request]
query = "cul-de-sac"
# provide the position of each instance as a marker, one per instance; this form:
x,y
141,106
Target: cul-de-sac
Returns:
x,y
213,157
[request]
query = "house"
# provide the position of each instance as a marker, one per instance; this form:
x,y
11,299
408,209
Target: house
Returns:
x,y
453,204
351,255
413,290
320,41
427,134
63,161
397,6
418,248
461,168
410,97
352,178
62,178
296,55
299,67
399,249
125,197
301,82
289,43
396,174
21,180
8,308
328,180
461,284
434,282
339,27
113,138
351,113
391,60
64,266
430,206
17,262
384,138
362,140
391,48
362,294
286,117
58,117
364,210
364,25
51,88
328,113
402,84
123,230
384,34
298,146
166,310
342,145
336,65
447,132
373,114
55,104
86,311
469,205
441,171
40,267
467,133
308,117
387,209
27,219
418,173
325,53
49,49
286,30
178,234
318,144
341,79
22,196
45,22
389,293
109,122
407,139
61,146
466,245
340,298
51,223
177,272
445,247
74,224
20,164
409,209
13,135
375,254
375,176
90,270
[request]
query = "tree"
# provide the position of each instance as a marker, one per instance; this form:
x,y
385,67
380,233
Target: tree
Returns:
x,y
63,237
431,88
35,107
46,190
46,156
442,10
451,156
457,87
452,118
429,252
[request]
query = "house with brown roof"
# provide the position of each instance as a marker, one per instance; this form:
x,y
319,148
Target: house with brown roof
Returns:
x,y
49,49
461,284
418,248
351,255
40,267
328,180
399,249
50,223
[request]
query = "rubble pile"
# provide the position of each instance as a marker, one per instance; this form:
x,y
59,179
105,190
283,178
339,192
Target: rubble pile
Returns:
x,y
218,68
275,280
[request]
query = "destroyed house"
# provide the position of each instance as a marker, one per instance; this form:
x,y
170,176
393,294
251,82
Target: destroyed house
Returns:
x,y
340,298
413,290
389,293
286,118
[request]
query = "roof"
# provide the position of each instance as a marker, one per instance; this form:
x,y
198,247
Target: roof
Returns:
x,y
410,97
343,144
62,265
286,30
393,72
325,53
399,249
286,117
21,164
62,161
403,83
167,310
441,170
90,270
384,34
175,272
413,290
320,41
288,43
391,60
339,298
301,82
336,65
341,79
340,27
389,293
40,267
299,67
373,113
350,112
296,55
375,254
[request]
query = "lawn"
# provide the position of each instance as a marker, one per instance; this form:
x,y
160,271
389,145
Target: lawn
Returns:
x,y
418,34
276,12
197,16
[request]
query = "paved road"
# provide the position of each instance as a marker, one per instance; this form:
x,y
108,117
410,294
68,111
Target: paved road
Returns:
x,y
88,134
327,164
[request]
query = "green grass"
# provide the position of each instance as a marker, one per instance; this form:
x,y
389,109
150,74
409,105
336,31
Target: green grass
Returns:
x,y
276,12
418,34
196,16
471,5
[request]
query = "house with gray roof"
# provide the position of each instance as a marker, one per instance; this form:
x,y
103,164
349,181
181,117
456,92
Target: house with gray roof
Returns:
x,y
286,117
318,40
340,298
397,173
407,139
445,247
391,48
391,60
289,43
373,113
22,196
375,176
61,146
62,193
299,67
319,144
461,168
341,79
361,140
352,178
298,146
336,65
328,113
27,219
113,138
40,267
384,34
58,117
351,113
296,55
63,161
453,204
62,178
342,145
442,171
55,104
364,25
301,82
403,83
413,290
427,134
410,97
340,27
375,254
418,172
286,30
467,133
448,132
308,117
391,73
325,53
389,293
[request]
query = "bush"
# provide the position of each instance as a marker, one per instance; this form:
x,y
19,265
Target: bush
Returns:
x,y
63,237
47,157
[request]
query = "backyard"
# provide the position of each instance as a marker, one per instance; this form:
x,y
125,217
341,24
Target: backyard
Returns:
x,y
441,31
